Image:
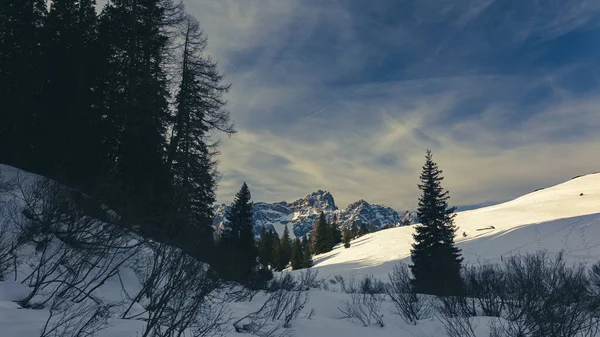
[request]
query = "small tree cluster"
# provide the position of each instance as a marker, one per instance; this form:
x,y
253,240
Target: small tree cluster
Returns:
x,y
324,235
277,253
237,248
301,255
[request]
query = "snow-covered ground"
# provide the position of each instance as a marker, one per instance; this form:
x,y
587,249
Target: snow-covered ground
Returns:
x,y
555,218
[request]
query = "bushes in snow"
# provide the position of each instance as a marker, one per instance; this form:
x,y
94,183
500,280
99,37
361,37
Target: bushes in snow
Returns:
x,y
285,300
407,303
70,256
363,304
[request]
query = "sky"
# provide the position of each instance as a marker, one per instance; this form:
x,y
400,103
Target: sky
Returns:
x,y
347,95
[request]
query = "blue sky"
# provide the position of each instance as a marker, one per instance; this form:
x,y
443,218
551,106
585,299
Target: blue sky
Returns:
x,y
347,95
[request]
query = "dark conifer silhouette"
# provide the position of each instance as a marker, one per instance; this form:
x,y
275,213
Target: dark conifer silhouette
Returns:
x,y
436,260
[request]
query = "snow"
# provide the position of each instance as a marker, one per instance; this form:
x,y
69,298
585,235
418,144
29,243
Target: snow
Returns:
x,y
555,219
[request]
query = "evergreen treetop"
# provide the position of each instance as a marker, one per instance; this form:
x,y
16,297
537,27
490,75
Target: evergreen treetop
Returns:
x,y
436,260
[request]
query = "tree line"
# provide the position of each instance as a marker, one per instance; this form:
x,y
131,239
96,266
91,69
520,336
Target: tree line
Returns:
x,y
123,104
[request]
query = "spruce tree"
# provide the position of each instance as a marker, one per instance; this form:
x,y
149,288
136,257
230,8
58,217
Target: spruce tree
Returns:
x,y
436,261
135,93
237,244
354,229
297,256
69,95
285,249
275,241
265,247
307,261
323,236
347,237
21,77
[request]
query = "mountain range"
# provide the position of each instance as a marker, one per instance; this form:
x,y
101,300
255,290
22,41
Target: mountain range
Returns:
x,y
301,214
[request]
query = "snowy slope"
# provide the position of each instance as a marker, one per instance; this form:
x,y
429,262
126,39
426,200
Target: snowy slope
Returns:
x,y
555,218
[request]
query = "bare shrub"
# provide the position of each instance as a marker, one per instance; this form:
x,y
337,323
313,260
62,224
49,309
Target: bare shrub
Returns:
x,y
179,295
546,297
74,319
286,299
367,285
363,309
407,303
455,314
8,243
365,299
74,252
485,287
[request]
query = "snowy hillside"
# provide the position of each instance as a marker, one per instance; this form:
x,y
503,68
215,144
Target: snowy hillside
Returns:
x,y
301,214
553,218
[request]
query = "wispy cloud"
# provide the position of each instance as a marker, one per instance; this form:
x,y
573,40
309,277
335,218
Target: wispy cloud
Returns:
x,y
346,95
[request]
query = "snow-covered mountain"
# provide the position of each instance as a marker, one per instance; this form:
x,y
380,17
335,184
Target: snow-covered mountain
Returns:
x,y
301,214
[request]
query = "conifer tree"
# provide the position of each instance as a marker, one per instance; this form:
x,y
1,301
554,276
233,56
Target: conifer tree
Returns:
x,y
237,244
21,60
347,237
354,229
363,230
335,234
266,247
297,256
307,261
275,241
436,261
284,250
322,239
200,111
69,95
134,89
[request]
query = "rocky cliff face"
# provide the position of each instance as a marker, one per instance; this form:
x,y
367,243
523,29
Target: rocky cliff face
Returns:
x,y
301,214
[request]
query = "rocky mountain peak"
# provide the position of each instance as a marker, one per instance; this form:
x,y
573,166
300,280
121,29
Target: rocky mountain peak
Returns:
x,y
302,214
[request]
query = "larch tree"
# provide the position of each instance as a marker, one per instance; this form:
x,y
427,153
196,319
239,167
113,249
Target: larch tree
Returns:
x,y
200,112
436,261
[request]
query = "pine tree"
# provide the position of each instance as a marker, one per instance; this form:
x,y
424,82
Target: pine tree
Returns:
x,y
347,237
297,256
307,261
354,229
335,235
266,247
237,244
362,229
21,60
284,250
322,236
68,93
436,260
134,89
